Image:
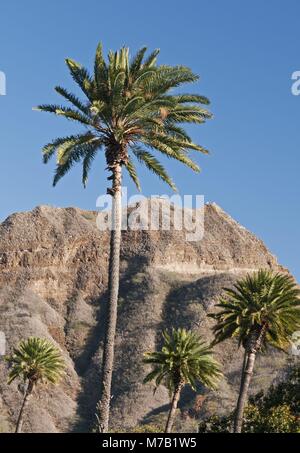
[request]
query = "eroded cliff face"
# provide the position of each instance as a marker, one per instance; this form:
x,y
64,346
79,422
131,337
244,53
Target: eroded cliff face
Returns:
x,y
53,283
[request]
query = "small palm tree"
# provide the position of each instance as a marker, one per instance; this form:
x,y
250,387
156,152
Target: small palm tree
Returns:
x,y
183,360
261,309
35,360
128,113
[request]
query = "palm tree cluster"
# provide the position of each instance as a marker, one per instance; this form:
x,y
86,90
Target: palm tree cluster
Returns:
x,y
261,310
132,112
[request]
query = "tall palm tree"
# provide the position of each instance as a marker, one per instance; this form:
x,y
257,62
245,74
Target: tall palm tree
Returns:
x,y
35,360
261,309
128,112
183,360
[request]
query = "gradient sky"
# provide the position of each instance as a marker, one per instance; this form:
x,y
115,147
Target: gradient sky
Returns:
x,y
245,53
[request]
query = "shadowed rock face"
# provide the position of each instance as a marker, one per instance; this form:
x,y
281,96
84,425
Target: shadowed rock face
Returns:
x,y
53,282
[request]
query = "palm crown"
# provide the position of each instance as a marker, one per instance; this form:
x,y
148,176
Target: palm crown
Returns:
x,y
128,112
261,299
183,359
36,359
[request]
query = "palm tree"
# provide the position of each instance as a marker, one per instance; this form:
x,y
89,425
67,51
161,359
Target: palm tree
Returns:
x,y
128,113
35,360
183,360
261,309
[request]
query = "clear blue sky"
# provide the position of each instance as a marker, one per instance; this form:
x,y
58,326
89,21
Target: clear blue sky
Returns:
x,y
245,53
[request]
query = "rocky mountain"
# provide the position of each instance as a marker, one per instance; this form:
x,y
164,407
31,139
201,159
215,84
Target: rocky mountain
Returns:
x,y
53,283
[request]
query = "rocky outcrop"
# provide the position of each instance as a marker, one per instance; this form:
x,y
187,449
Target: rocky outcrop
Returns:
x,y
53,282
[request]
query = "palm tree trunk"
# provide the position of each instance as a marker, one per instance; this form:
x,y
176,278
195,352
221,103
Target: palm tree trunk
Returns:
x,y
113,289
253,345
23,407
243,370
172,412
242,400
242,374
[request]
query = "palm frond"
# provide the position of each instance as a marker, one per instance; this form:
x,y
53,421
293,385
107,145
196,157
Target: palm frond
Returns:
x,y
73,99
133,173
184,358
260,299
82,77
51,148
151,60
153,165
68,113
136,62
36,359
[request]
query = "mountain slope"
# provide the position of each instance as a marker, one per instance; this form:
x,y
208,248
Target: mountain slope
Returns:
x,y
53,281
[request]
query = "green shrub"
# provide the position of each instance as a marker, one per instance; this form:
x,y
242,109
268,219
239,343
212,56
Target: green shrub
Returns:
x,y
277,411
